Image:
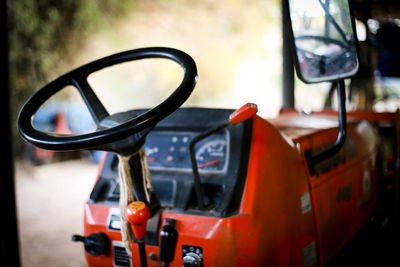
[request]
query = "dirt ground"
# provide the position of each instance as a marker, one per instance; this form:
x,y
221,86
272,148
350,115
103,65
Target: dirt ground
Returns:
x,y
50,202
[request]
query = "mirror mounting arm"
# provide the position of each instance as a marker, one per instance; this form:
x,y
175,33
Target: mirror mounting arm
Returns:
x,y
313,160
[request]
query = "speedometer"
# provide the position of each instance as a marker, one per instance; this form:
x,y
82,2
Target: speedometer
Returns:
x,y
212,155
169,151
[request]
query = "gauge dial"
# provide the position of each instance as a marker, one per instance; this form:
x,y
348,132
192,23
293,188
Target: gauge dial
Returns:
x,y
211,155
170,151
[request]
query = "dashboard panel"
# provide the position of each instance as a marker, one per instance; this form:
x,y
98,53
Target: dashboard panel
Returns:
x,y
222,160
169,151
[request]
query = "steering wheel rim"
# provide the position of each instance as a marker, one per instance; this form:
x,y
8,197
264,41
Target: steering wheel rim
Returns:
x,y
342,44
78,79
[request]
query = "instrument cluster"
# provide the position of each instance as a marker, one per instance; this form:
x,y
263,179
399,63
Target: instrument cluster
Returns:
x,y
169,151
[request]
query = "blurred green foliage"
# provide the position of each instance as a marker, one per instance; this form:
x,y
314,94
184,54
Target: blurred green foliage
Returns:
x,y
43,35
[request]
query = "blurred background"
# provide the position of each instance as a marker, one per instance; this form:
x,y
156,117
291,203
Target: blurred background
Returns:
x,y
236,44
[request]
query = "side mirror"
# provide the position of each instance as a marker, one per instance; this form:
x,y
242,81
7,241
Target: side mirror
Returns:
x,y
324,48
323,39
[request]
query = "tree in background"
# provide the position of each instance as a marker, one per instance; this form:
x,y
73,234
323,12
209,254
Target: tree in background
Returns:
x,y
43,35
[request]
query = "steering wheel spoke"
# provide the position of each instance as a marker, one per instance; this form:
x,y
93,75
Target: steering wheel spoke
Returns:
x,y
94,105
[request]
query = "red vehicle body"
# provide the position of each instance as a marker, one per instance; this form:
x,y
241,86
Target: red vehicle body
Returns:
x,y
287,217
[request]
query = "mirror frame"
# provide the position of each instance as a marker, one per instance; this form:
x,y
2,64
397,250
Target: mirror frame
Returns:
x,y
294,50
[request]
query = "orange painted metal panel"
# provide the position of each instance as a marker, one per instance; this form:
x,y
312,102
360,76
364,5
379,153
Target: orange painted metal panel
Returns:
x,y
344,190
286,216
275,224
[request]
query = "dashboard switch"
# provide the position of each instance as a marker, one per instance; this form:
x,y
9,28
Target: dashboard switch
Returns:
x,y
191,260
192,256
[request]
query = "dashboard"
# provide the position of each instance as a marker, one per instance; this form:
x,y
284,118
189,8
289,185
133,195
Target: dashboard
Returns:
x,y
222,160
169,151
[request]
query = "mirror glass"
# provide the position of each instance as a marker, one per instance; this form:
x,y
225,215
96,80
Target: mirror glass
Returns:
x,y
324,40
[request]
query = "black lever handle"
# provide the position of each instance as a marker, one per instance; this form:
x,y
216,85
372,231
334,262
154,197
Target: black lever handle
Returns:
x,y
95,244
168,239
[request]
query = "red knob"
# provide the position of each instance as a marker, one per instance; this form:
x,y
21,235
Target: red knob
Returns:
x,y
137,214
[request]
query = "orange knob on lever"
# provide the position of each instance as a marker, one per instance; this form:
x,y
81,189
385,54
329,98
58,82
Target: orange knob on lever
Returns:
x,y
137,214
244,113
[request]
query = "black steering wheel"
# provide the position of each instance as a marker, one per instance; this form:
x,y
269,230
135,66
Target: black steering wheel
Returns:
x,y
121,132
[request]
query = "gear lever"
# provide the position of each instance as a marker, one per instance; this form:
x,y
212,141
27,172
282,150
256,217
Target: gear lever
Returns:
x,y
137,213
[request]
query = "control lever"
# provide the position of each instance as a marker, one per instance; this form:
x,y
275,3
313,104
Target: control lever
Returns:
x,y
137,213
243,113
168,239
137,174
240,115
95,244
